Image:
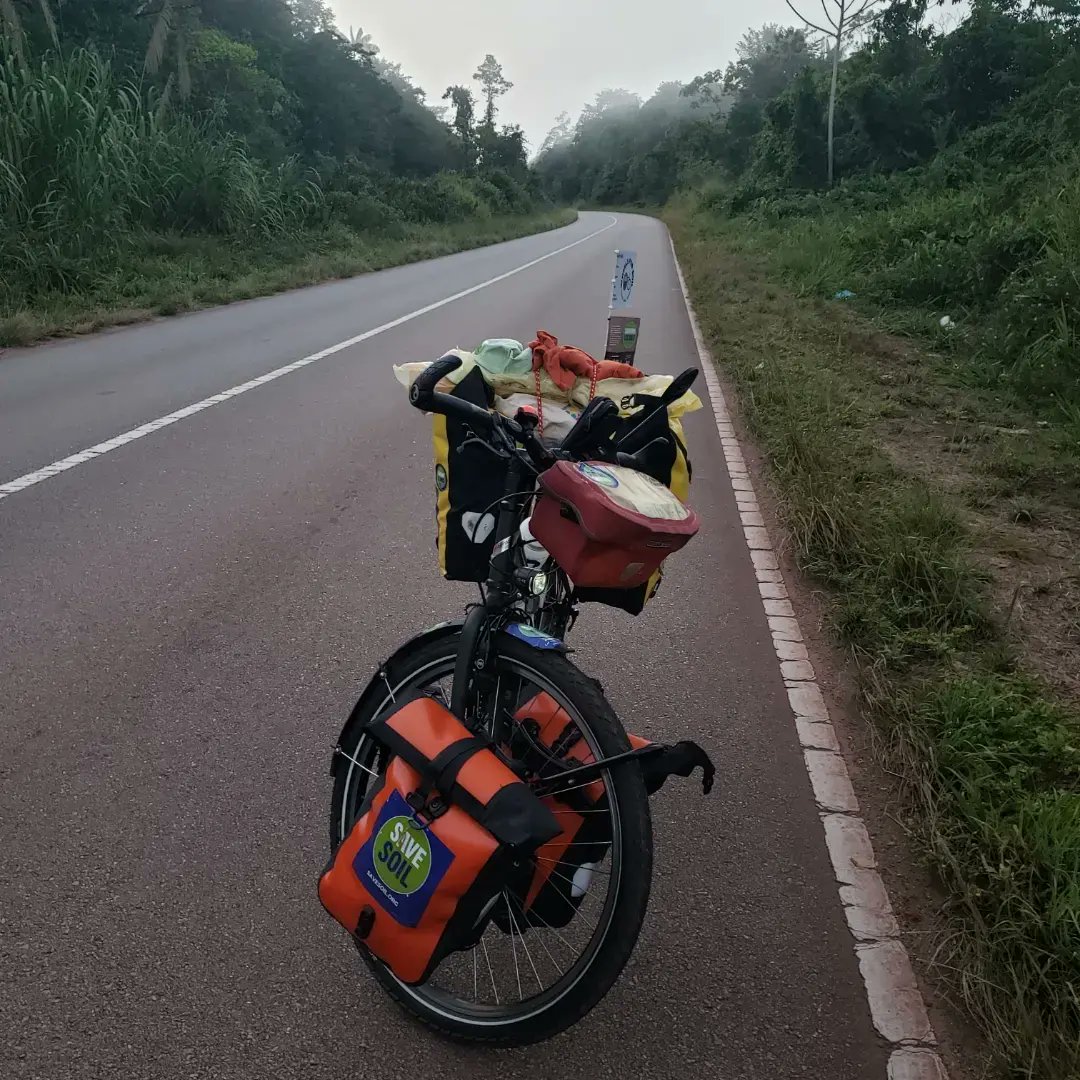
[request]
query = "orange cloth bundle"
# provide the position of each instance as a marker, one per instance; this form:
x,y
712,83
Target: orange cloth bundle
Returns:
x,y
564,363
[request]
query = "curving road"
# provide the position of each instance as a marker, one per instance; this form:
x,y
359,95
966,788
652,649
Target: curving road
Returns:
x,y
185,618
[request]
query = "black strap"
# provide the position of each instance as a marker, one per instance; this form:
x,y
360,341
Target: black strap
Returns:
x,y
514,815
686,455
442,772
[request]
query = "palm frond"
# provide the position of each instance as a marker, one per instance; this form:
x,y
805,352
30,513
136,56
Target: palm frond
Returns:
x,y
163,24
50,22
12,28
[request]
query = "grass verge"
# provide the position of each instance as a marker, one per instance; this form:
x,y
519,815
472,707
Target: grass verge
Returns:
x,y
901,486
167,274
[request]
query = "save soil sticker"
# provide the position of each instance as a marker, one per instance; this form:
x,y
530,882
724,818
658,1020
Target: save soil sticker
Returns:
x,y
402,864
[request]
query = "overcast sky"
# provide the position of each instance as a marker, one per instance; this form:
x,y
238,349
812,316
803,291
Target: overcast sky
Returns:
x,y
558,53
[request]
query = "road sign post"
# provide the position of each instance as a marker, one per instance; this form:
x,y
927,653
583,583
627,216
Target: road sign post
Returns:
x,y
623,330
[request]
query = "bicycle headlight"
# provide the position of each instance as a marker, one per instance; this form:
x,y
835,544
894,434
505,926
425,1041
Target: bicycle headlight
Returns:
x,y
539,583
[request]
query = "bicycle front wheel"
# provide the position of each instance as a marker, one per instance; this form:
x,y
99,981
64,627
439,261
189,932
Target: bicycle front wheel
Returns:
x,y
525,980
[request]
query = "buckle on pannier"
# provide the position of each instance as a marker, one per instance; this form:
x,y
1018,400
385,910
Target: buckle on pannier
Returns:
x,y
426,809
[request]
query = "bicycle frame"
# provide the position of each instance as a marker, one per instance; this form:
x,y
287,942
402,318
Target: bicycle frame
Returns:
x,y
500,592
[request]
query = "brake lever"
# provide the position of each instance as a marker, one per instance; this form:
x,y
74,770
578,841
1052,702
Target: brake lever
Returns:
x,y
472,438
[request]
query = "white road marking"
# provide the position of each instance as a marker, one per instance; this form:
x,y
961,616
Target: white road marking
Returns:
x,y
897,1008
91,452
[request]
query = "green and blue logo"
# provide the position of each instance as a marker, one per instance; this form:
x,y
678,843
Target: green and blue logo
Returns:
x,y
402,855
598,475
402,864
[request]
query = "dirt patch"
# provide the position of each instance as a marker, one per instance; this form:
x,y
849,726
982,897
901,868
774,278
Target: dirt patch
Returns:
x,y
1027,542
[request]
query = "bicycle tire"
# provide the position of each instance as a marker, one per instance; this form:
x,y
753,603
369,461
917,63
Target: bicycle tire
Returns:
x,y
627,784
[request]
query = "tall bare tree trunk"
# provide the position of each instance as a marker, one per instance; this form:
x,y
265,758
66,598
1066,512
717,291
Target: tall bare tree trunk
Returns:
x,y
851,17
832,92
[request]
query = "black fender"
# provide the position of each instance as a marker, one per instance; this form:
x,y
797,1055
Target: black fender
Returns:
x,y
385,670
435,633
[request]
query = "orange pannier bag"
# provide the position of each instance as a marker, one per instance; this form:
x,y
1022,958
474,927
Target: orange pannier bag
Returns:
x,y
563,865
441,834
566,864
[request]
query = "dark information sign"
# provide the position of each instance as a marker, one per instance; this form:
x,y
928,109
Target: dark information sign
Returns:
x,y
622,340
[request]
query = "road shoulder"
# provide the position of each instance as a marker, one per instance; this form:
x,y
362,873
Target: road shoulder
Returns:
x,y
851,780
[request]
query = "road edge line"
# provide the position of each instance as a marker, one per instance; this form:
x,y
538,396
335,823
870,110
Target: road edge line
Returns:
x,y
20,483
897,1008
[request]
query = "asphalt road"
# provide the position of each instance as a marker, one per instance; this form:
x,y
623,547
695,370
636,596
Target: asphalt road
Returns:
x,y
185,622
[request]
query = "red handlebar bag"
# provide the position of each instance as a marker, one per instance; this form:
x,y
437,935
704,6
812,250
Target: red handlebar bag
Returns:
x,y
607,526
439,837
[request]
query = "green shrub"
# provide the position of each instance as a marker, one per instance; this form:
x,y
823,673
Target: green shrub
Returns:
x,y
362,211
91,166
998,246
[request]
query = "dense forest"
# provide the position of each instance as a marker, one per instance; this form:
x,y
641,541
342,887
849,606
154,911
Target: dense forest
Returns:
x,y
956,163
898,309
129,129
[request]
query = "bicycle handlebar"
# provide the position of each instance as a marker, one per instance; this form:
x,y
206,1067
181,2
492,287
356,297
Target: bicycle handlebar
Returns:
x,y
424,396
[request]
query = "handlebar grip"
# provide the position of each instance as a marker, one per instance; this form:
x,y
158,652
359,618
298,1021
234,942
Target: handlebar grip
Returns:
x,y
422,391
424,396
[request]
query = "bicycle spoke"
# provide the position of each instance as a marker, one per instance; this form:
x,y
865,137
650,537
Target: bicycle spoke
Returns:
x,y
364,768
577,844
539,747
540,937
569,903
564,764
524,944
570,881
494,988
556,862
495,709
389,688
548,926
577,787
517,970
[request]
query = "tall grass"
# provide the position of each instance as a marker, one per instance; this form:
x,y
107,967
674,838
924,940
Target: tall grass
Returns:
x,y
87,163
997,251
997,769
